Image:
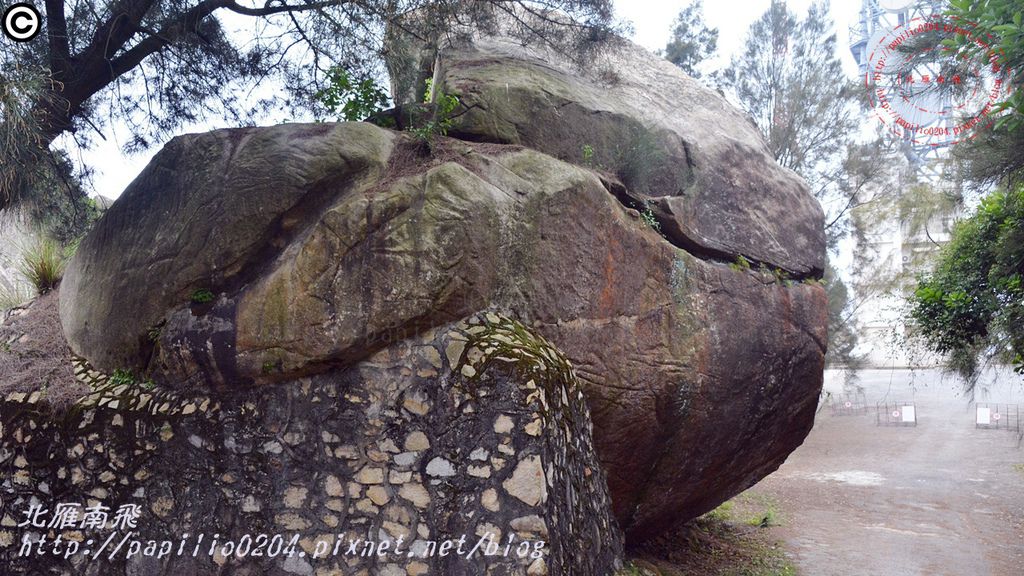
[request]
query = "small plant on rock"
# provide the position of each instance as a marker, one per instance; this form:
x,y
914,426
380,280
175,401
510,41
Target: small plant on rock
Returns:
x,y
122,376
202,296
588,154
441,120
741,264
647,215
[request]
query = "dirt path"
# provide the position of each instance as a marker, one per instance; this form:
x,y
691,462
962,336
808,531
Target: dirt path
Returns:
x,y
942,498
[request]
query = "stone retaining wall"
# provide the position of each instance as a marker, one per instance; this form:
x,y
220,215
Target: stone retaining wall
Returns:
x,y
465,452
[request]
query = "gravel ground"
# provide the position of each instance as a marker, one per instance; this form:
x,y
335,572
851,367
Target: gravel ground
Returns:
x,y
942,498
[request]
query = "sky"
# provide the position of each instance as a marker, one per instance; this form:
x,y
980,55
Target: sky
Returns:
x,y
651,19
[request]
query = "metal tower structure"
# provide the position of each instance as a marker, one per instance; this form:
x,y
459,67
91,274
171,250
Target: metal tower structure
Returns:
x,y
900,250
880,21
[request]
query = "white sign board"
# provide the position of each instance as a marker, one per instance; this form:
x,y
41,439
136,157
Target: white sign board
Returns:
x,y
984,416
908,414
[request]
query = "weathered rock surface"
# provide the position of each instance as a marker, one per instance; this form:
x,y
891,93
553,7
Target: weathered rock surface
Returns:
x,y
176,227
419,460
679,147
318,246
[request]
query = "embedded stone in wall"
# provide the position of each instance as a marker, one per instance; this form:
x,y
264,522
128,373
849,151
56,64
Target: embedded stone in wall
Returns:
x,y
333,474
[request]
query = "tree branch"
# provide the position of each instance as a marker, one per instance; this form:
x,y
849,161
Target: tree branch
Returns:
x,y
269,10
180,26
112,35
57,37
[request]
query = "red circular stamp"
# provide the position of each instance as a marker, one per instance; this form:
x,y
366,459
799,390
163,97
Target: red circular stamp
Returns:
x,y
926,91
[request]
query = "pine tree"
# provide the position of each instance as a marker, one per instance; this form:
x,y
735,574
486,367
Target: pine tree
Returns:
x,y
692,41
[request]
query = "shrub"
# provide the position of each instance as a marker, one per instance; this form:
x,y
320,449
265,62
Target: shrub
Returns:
x,y
441,120
971,306
43,264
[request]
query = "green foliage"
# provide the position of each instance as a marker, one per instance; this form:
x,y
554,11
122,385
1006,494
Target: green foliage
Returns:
x,y
998,24
740,264
23,141
766,518
647,215
202,296
996,42
588,154
351,99
43,264
50,191
972,305
122,376
777,275
441,120
692,41
428,92
722,513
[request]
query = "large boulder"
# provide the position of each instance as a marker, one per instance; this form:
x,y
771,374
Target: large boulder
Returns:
x,y
680,148
176,227
256,256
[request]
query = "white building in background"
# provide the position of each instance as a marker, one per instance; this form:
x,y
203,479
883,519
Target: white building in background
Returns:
x,y
899,253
